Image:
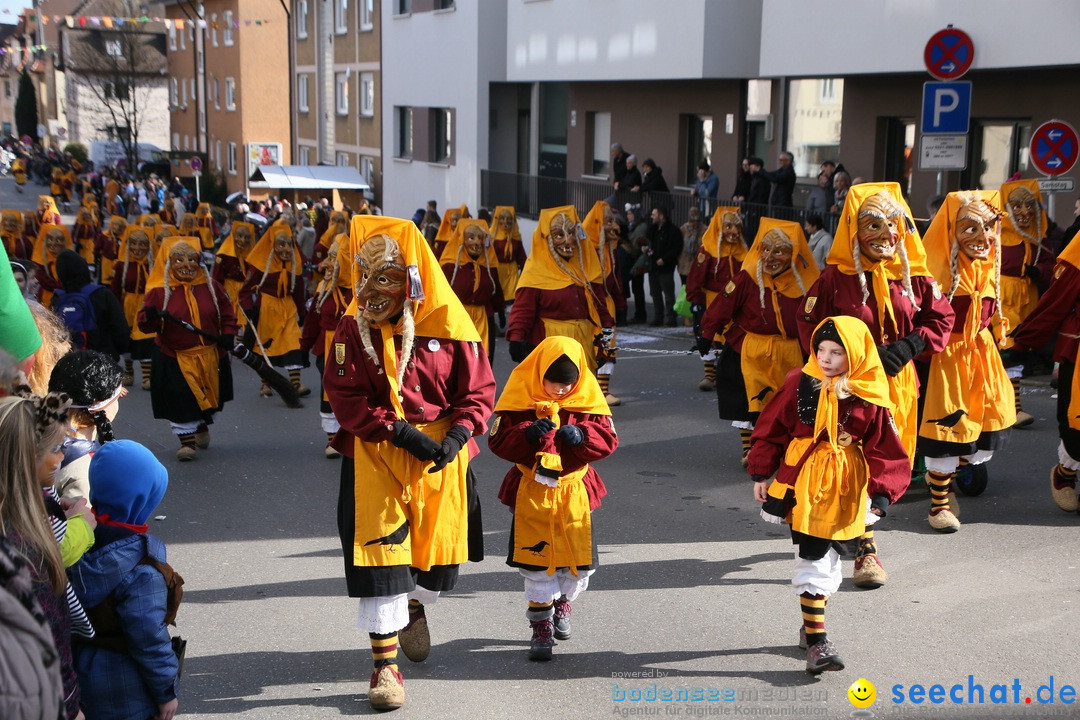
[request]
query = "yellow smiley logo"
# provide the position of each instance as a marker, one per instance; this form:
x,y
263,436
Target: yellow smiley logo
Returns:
x,y
862,693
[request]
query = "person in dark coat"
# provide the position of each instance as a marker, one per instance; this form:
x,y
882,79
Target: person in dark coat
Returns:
x,y
665,246
111,331
759,183
652,178
783,181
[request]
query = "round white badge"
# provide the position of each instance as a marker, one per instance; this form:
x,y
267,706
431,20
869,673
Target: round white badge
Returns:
x,y
433,345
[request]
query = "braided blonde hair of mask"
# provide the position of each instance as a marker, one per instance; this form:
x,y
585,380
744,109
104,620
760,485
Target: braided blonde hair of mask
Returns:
x,y
408,326
457,265
905,269
720,244
329,282
288,269
127,255
209,285
584,280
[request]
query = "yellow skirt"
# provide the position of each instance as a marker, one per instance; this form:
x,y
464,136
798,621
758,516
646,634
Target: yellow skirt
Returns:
x,y
552,525
581,330
479,316
278,327
1018,298
967,392
133,303
830,491
904,393
405,515
200,367
508,278
766,361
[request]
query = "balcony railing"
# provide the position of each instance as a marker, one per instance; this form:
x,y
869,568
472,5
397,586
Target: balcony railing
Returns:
x,y
529,194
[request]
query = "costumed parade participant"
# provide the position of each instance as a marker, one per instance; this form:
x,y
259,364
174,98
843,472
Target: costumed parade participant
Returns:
x,y
470,267
877,272
17,244
410,385
129,285
448,226
757,315
230,265
1027,261
723,249
1057,317
560,291
604,235
829,437
18,169
205,219
191,378
551,421
85,234
272,297
109,247
509,251
30,223
46,213
968,406
332,296
51,241
190,227
339,225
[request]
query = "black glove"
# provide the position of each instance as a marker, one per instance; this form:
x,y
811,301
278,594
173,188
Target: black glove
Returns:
x,y
571,434
502,320
697,308
226,342
1032,272
704,345
880,502
895,356
518,350
455,439
538,429
152,313
415,442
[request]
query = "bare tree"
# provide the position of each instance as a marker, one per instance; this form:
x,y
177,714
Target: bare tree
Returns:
x,y
120,66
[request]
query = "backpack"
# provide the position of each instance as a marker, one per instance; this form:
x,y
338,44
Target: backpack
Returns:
x,y
77,312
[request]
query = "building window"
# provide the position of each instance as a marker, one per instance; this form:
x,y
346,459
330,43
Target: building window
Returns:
x,y
367,168
191,33
301,19
213,30
441,121
183,42
217,153
230,93
343,159
341,16
305,156
403,144
174,92
172,37
997,150
228,33
176,141
697,129
113,48
813,126
183,93
367,94
444,4
302,93
403,7
341,93
185,142
367,14
232,158
598,128
217,94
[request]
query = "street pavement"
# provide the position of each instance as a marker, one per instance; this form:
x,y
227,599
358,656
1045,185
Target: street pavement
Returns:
x,y
691,602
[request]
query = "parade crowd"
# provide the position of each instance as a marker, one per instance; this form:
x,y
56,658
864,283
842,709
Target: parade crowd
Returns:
x,y
845,365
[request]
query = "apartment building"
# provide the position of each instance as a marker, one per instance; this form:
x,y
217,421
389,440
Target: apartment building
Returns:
x,y
228,84
537,94
337,85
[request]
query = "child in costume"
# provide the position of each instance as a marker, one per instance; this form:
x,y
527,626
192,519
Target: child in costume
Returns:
x,y
876,271
552,422
129,285
12,231
968,400
51,241
191,379
129,669
829,437
757,315
604,234
723,249
1057,317
273,295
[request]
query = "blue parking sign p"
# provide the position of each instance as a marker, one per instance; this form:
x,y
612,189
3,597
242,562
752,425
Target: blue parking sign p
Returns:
x,y
946,108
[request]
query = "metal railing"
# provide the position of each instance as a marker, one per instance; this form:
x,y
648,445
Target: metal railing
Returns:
x,y
529,194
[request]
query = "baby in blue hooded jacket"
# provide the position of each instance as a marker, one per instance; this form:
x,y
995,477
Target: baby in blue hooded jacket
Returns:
x,y
130,670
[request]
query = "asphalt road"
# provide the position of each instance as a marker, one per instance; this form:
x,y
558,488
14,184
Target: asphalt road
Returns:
x,y
692,595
